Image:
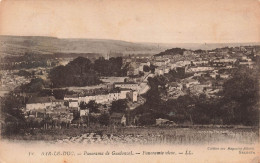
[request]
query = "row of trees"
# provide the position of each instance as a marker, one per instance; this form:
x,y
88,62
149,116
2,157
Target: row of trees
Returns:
x,y
173,51
82,72
111,67
36,85
78,72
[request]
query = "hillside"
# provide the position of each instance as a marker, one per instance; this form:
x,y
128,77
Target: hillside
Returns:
x,y
18,45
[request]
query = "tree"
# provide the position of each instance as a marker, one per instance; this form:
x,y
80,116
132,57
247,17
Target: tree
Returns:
x,y
146,68
79,72
119,106
111,67
59,93
36,85
104,119
93,106
83,105
243,89
12,105
152,68
173,51
153,95
147,119
12,114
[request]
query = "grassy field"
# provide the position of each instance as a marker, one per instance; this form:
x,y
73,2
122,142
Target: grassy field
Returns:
x,y
143,135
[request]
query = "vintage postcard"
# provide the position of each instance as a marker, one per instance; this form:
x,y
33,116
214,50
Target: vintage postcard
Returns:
x,y
129,81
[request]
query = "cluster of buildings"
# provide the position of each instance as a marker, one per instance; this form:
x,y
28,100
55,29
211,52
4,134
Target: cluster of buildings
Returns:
x,y
64,111
9,80
202,71
41,108
205,71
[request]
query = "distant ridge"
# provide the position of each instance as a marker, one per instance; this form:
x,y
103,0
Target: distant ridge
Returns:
x,y
19,45
205,46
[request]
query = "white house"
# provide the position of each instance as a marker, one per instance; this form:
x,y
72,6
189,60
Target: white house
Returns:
x,y
84,112
159,71
161,121
127,85
73,103
199,69
160,63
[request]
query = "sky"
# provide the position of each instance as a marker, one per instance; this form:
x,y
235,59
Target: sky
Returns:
x,y
158,21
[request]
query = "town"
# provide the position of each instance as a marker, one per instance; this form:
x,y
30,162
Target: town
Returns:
x,y
170,88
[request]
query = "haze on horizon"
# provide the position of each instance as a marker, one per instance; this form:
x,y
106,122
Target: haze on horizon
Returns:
x,y
168,21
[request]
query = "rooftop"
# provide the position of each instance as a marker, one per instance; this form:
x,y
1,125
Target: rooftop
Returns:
x,y
34,100
72,96
125,83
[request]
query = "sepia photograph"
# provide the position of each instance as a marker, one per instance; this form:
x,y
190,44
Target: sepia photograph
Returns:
x,y
129,81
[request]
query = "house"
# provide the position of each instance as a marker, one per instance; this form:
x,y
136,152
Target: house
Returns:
x,y
166,69
200,69
118,119
132,96
224,76
160,63
198,89
249,64
159,71
189,82
126,85
142,64
161,121
200,63
58,102
214,75
107,97
228,60
181,70
174,86
183,63
173,66
73,103
84,112
132,71
100,98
